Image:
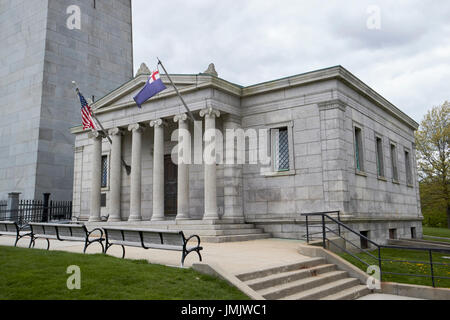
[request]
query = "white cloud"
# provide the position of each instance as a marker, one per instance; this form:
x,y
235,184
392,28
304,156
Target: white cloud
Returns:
x,y
251,41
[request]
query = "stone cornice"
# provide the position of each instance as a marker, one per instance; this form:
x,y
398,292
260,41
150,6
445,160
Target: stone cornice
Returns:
x,y
332,104
193,83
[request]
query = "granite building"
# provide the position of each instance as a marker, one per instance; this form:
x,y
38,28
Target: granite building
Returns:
x,y
333,144
43,50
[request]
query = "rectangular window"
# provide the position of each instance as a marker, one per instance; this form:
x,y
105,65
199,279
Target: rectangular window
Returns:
x,y
359,149
280,151
103,200
394,162
380,162
408,168
104,171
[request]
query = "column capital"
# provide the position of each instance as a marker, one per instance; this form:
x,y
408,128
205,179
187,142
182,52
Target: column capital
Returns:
x,y
136,127
116,131
209,112
156,123
180,117
96,135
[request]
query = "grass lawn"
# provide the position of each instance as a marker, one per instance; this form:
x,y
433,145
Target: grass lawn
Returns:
x,y
41,274
406,267
436,232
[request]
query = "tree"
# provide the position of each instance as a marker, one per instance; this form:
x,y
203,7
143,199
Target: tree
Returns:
x,y
433,156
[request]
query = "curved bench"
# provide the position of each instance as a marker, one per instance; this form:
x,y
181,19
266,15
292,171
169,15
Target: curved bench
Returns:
x,y
64,232
11,228
151,239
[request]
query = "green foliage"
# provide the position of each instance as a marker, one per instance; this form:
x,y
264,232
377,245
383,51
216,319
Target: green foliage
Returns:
x,y
433,159
434,206
39,274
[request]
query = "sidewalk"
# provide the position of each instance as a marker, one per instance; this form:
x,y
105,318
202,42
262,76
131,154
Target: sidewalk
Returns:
x,y
235,257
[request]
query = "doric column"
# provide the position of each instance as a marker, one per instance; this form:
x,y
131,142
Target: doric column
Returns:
x,y
209,160
135,177
115,174
158,170
96,178
184,159
233,202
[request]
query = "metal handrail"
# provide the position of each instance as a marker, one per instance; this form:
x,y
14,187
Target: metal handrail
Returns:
x,y
339,223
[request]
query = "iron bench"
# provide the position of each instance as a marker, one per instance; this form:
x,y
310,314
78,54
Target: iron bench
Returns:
x,y
11,228
151,239
64,232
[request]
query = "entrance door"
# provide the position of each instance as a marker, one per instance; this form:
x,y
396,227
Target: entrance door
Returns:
x,y
170,186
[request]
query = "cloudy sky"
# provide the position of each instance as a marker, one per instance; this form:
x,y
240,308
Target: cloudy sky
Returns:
x,y
404,55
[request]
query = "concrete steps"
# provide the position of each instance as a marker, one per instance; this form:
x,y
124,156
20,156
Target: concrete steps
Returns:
x,y
214,231
307,280
235,238
224,232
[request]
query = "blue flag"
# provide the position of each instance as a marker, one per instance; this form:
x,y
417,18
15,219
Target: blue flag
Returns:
x,y
152,87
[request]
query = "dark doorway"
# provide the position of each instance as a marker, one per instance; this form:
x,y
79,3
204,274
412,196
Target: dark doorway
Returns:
x,y
364,242
170,186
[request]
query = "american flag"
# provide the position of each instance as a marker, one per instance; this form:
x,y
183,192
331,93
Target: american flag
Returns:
x,y
86,113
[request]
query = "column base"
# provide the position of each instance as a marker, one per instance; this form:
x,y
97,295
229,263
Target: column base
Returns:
x,y
211,216
182,217
239,219
134,219
158,219
110,219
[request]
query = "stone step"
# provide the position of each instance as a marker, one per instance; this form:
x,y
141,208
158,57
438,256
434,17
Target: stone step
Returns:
x,y
324,288
228,232
235,238
290,276
300,286
210,222
349,294
212,226
312,262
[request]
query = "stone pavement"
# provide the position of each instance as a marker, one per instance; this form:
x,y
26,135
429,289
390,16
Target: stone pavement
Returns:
x,y
382,296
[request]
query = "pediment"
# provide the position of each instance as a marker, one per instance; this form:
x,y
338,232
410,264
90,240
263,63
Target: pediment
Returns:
x,y
123,95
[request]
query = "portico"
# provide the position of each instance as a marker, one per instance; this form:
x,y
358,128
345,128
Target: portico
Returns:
x,y
183,163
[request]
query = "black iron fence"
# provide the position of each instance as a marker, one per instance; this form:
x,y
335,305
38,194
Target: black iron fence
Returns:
x,y
331,231
36,211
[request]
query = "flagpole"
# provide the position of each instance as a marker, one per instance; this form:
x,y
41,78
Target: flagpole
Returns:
x,y
176,90
127,167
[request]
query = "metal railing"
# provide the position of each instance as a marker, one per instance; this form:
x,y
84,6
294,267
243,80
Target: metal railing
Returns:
x,y
37,211
342,231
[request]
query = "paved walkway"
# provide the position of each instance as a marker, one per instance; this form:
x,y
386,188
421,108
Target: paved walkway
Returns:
x,y
235,257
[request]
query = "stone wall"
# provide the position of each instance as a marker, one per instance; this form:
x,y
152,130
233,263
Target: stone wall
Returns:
x,y
42,58
23,27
